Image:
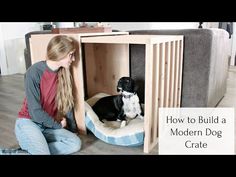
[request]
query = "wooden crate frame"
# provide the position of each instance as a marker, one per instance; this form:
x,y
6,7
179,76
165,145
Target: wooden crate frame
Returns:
x,y
163,74
163,71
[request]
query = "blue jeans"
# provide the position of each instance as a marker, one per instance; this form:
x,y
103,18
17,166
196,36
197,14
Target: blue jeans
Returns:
x,y
39,140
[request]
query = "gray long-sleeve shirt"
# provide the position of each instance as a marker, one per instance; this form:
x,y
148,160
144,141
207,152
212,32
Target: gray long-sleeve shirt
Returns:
x,y
40,90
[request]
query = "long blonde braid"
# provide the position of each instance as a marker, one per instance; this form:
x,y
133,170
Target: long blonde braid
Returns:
x,y
58,47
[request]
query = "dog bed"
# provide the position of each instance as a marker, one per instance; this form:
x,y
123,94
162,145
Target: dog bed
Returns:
x,y
110,132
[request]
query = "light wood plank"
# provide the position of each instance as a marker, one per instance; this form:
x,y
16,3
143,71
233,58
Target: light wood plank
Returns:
x,y
155,114
131,39
168,77
173,74
176,73
180,72
148,96
78,90
162,75
105,65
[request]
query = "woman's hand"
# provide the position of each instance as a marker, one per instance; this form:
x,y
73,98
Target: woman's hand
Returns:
x,y
63,122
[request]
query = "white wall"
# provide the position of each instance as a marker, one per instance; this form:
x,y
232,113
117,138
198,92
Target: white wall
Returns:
x,y
3,61
126,26
12,45
12,30
210,25
14,50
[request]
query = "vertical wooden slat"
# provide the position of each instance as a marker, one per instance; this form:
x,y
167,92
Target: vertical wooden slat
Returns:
x,y
155,93
176,72
172,74
162,75
165,73
148,96
168,65
31,51
77,72
153,99
159,74
180,71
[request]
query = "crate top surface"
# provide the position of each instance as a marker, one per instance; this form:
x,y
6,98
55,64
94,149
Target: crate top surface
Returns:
x,y
131,39
79,34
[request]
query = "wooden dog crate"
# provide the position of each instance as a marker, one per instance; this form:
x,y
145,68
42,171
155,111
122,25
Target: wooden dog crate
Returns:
x,y
105,58
163,72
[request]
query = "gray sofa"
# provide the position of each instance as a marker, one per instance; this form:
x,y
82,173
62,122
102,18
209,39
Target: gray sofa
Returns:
x,y
206,54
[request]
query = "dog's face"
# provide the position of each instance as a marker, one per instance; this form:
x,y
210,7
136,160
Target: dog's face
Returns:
x,y
126,84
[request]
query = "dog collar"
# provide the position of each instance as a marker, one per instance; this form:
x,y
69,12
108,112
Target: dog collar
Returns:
x,y
128,96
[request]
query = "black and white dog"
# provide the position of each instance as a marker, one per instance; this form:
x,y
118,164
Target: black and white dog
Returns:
x,y
118,107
